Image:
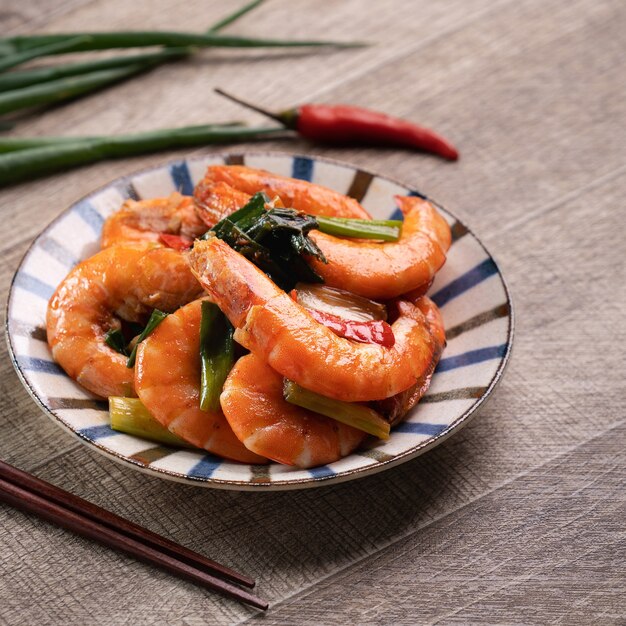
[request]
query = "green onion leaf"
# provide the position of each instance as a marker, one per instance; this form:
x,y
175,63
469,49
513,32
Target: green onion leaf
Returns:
x,y
275,240
16,80
244,217
155,319
38,75
355,415
115,339
229,19
63,89
13,144
11,60
216,355
140,39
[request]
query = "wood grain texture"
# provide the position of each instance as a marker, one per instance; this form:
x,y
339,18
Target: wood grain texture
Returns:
x,y
545,544
516,519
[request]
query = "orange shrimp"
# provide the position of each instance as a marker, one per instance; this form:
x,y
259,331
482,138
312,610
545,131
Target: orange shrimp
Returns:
x,y
374,270
297,194
396,407
124,281
267,424
435,320
382,271
278,330
168,383
215,201
144,220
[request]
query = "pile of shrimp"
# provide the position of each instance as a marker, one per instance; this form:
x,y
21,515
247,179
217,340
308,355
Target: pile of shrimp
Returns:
x,y
138,270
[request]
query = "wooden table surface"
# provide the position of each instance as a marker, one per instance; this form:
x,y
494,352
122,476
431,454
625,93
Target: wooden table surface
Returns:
x,y
519,518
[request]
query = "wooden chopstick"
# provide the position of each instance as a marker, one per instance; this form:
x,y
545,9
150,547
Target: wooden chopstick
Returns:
x,y
98,514
15,489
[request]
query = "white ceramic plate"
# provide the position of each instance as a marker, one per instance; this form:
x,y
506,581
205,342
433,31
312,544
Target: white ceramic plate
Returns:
x,y
469,289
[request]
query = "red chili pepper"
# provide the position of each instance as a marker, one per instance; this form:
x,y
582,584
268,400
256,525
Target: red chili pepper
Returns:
x,y
344,124
177,242
376,331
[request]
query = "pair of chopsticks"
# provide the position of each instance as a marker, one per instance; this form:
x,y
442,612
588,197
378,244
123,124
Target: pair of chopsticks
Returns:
x,y
31,494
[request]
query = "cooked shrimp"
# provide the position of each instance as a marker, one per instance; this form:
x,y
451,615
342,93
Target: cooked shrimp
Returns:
x,y
267,424
168,383
382,271
396,407
144,220
124,281
297,194
280,331
215,201
435,320
373,270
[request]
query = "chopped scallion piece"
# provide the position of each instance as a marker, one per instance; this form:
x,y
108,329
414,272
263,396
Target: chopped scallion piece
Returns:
x,y
355,415
115,339
130,416
384,230
216,355
155,319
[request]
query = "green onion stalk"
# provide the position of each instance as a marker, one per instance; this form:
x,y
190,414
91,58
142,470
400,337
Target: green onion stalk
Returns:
x,y
65,45
217,355
350,413
38,75
142,39
63,89
59,88
16,80
14,144
26,164
19,49
130,416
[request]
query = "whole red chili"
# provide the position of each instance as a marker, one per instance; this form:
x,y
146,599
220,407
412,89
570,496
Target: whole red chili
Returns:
x,y
344,124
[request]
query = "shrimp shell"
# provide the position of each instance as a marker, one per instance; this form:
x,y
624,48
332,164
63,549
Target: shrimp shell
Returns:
x,y
215,201
144,220
297,194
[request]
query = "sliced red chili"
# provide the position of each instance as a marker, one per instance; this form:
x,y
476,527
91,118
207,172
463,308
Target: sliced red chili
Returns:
x,y
178,242
376,331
